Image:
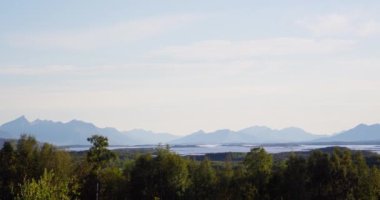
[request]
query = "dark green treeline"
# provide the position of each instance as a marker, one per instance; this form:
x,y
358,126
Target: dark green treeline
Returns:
x,y
30,170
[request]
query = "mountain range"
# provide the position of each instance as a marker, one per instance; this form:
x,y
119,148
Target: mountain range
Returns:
x,y
255,134
76,132
360,133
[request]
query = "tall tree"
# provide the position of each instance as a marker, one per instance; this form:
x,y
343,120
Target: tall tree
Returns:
x,y
142,178
224,179
98,158
294,179
98,155
258,164
164,176
27,158
203,181
53,159
8,171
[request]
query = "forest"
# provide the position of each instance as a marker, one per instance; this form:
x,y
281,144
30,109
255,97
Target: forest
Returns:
x,y
40,171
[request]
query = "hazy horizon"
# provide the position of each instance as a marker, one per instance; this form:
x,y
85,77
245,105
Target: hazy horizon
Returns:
x,y
184,134
177,67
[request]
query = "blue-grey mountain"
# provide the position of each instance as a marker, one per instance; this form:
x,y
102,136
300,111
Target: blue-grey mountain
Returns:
x,y
360,133
76,132
255,134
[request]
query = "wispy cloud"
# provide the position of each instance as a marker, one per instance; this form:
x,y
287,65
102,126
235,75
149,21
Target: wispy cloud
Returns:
x,y
340,25
235,50
96,37
43,70
368,28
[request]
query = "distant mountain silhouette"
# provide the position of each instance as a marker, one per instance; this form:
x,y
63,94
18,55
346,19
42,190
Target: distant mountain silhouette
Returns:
x,y
255,134
77,132
360,133
217,137
149,137
262,134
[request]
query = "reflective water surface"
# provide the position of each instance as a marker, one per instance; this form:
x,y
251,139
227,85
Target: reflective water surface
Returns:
x,y
203,149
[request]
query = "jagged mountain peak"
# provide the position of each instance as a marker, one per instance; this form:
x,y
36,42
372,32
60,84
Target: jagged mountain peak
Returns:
x,y
361,126
76,132
21,118
361,132
20,121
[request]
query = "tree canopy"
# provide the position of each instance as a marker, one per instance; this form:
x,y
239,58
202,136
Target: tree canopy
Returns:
x,y
32,170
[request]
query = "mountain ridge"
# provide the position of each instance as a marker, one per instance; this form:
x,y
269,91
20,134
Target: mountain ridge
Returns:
x,y
76,132
253,134
360,133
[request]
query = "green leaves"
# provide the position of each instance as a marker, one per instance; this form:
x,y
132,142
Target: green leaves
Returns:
x,y
258,162
98,155
48,187
41,171
164,176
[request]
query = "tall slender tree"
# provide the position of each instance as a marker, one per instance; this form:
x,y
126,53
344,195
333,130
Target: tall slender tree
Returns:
x,y
98,158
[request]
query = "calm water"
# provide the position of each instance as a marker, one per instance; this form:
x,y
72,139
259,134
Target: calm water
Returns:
x,y
203,149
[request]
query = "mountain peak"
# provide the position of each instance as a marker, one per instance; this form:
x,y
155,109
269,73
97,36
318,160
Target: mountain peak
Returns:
x,y
292,128
22,118
40,121
21,124
199,132
37,121
76,122
20,121
361,132
362,125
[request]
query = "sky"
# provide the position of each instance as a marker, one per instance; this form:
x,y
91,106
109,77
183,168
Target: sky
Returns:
x,y
180,66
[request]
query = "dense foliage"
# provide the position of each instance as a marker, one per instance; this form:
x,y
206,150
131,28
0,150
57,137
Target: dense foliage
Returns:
x,y
30,170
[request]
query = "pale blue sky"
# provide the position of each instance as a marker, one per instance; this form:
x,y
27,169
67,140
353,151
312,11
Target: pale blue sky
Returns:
x,y
179,66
